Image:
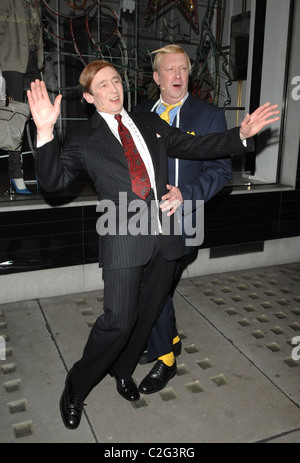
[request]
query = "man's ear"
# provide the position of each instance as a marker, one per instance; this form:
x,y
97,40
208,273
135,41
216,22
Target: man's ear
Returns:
x,y
88,97
156,77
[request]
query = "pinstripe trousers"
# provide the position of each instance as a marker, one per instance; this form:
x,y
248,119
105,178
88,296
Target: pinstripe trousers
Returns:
x,y
133,300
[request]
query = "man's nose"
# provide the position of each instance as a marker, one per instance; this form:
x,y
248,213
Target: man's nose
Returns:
x,y
177,72
113,87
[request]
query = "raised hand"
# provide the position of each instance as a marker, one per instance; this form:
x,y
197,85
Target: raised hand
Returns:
x,y
259,119
44,113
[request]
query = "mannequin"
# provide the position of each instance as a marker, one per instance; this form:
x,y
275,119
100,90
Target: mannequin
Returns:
x,y
21,59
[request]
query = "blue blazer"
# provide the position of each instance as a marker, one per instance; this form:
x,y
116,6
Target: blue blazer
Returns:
x,y
198,180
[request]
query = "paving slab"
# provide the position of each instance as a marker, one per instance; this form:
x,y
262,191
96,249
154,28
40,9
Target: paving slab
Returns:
x,y
258,311
236,379
31,380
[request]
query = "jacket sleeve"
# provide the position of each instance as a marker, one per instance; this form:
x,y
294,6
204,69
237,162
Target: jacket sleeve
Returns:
x,y
204,147
214,174
57,170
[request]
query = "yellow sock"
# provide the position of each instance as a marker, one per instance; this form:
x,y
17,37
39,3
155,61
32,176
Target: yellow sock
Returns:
x,y
168,359
176,340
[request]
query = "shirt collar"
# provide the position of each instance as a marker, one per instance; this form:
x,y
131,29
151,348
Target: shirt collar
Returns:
x,y
161,101
110,118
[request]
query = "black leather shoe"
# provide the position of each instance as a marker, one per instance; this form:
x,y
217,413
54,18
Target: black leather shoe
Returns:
x,y
126,388
70,406
144,357
158,378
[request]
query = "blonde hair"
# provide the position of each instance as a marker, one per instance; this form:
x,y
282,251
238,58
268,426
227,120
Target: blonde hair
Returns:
x,y
172,48
89,72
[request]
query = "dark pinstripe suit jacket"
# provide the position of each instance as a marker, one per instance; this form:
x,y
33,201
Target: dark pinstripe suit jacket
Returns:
x,y
94,148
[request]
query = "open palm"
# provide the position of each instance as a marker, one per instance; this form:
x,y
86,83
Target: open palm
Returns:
x,y
44,113
259,119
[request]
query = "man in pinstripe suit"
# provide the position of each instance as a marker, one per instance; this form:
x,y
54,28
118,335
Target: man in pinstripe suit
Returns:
x,y
135,267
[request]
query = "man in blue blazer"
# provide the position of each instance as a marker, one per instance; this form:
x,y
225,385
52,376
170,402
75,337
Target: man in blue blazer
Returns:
x,y
192,180
137,267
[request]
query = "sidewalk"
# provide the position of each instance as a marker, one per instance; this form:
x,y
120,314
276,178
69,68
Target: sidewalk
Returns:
x,y
236,380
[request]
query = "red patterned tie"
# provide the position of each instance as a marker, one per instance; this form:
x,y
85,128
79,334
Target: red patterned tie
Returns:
x,y
138,173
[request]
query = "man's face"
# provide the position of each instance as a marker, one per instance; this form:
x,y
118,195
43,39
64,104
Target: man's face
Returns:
x,y
172,77
106,91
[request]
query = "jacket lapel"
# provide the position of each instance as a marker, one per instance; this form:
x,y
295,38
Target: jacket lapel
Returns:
x,y
105,138
109,142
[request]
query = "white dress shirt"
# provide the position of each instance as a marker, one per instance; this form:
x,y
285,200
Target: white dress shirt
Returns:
x,y
140,144
137,138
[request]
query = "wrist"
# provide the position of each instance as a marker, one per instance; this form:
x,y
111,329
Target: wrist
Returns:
x,y
44,136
